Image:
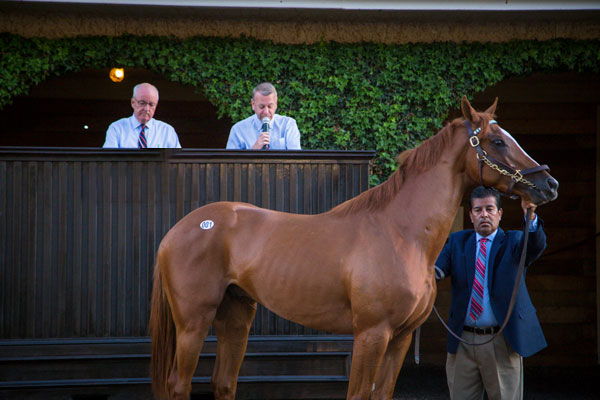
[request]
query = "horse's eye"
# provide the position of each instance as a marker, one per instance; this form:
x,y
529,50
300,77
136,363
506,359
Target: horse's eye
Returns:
x,y
499,142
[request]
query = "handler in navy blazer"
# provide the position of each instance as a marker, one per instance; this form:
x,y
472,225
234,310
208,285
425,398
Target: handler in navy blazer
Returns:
x,y
495,368
523,331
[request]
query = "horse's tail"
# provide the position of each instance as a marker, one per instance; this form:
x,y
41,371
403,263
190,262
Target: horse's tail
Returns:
x,y
162,330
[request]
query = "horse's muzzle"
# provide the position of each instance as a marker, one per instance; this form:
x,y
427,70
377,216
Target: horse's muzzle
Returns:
x,y
547,192
553,187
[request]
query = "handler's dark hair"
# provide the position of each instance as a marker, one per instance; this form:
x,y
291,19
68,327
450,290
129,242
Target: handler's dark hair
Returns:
x,y
481,192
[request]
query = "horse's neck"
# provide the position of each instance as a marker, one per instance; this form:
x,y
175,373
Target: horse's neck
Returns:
x,y
427,202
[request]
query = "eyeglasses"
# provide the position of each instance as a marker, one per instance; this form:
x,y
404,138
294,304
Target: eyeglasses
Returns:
x,y
143,103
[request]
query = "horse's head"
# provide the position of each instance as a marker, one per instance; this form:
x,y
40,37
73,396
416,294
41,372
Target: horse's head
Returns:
x,y
497,160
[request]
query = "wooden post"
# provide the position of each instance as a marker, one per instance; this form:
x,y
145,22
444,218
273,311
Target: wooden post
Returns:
x,y
597,229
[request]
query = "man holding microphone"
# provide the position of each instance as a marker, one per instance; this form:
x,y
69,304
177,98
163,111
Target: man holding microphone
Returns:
x,y
265,129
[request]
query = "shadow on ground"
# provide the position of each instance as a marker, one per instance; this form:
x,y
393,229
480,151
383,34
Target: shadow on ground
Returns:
x,y
548,383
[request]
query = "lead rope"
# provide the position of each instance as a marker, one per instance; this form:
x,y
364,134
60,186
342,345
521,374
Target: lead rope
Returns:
x,y
511,306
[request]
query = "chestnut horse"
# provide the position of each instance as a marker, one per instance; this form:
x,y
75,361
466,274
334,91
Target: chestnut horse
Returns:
x,y
365,267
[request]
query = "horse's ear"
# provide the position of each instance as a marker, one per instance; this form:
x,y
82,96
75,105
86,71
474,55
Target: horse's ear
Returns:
x,y
492,108
468,112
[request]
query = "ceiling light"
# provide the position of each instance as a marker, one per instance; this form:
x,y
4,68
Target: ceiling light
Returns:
x,y
117,74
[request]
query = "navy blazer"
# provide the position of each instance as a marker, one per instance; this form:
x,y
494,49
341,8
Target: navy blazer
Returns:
x,y
457,260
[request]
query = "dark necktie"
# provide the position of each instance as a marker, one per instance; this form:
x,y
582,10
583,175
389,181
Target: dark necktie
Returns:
x,y
478,282
142,144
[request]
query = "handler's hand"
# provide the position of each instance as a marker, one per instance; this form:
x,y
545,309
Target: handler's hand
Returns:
x,y
525,204
263,139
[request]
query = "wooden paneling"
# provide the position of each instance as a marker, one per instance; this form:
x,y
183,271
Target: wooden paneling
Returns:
x,y
309,366
80,228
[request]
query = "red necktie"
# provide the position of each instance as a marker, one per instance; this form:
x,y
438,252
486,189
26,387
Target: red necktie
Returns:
x,y
478,281
142,144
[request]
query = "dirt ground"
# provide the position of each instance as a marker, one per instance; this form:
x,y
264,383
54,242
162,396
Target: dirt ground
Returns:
x,y
548,383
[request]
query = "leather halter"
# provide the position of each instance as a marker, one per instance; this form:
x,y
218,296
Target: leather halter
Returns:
x,y
515,175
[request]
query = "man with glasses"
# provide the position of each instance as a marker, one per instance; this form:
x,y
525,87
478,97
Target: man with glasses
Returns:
x,y
483,264
141,130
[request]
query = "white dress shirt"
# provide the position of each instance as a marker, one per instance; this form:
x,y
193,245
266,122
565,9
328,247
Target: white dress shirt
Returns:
x,y
125,132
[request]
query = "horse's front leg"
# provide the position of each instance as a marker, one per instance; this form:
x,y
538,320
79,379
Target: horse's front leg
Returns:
x,y
369,347
385,381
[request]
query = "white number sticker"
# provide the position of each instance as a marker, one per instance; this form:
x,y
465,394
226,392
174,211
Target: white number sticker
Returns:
x,y
207,224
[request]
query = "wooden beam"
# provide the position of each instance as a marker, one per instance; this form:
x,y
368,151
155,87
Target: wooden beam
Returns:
x,y
597,229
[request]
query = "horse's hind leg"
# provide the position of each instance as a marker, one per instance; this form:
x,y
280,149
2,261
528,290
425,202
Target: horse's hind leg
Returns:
x,y
190,340
232,325
385,380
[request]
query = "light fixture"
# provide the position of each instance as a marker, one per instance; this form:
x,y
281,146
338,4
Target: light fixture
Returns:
x,y
117,74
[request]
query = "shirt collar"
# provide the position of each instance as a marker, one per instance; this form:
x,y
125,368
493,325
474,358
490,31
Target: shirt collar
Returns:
x,y
258,121
490,237
136,124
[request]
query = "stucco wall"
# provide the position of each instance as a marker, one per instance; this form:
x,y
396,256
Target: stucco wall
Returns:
x,y
292,30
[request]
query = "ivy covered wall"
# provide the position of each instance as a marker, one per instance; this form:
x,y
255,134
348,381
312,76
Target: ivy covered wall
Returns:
x,y
344,96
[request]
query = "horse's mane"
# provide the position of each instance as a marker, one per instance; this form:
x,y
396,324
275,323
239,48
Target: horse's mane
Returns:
x,y
419,159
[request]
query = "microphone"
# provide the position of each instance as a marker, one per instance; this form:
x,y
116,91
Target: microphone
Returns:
x,y
265,128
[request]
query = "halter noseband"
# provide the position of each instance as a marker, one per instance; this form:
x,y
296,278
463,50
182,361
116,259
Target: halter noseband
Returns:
x,y
515,175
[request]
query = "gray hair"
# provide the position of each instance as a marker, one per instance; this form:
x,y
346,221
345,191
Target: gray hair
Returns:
x,y
135,88
265,89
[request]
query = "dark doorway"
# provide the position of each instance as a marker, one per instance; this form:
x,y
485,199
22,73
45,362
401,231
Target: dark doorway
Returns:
x,y
75,111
